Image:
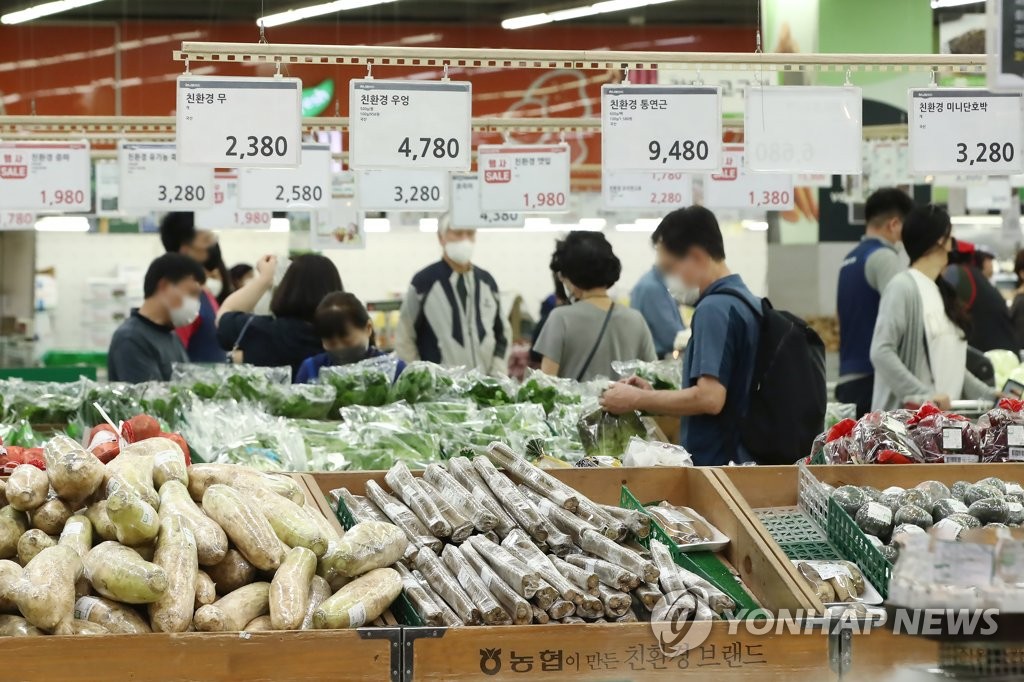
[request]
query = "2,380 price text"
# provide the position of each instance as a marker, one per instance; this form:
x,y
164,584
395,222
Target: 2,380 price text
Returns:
x,y
437,147
986,152
417,194
181,193
266,146
686,150
296,193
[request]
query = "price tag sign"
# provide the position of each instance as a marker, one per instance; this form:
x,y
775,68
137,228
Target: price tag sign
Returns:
x,y
152,179
45,177
529,178
466,213
281,189
660,190
803,129
226,213
661,127
736,187
1005,58
993,194
17,221
965,130
952,439
396,189
410,124
230,122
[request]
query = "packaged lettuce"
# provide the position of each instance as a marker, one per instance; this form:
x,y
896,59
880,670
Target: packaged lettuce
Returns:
x,y
608,435
663,375
398,414
485,391
362,383
548,391
40,402
422,382
301,401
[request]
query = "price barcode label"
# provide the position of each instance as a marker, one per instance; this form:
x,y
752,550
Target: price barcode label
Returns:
x,y
1015,435
398,189
736,187
524,178
152,179
1016,454
466,213
952,439
45,177
303,188
225,214
960,459
660,190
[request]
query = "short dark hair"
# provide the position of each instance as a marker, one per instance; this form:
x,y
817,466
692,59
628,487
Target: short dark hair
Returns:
x,y
176,230
239,270
586,259
173,268
887,203
1018,267
685,228
308,279
339,313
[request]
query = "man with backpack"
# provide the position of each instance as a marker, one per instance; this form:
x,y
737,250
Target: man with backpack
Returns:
x,y
753,378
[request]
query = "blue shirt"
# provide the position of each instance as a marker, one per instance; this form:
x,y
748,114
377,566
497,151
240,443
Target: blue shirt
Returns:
x,y
200,337
651,297
310,368
723,346
857,301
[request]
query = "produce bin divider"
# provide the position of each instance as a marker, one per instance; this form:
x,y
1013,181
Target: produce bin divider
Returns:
x,y
396,639
809,497
796,534
853,544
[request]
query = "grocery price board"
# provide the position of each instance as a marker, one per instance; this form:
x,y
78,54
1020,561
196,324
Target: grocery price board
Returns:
x,y
281,189
735,186
397,189
410,124
229,122
965,130
45,177
1005,59
151,179
524,178
661,127
17,221
466,212
225,214
659,190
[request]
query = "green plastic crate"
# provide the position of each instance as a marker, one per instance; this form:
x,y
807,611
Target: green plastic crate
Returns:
x,y
796,534
57,358
854,545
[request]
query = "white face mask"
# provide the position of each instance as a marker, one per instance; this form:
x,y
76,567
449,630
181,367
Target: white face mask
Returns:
x,y
214,286
187,313
461,251
680,291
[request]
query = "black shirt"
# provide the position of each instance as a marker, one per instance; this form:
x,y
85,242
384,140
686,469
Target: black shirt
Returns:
x,y
991,326
269,341
142,350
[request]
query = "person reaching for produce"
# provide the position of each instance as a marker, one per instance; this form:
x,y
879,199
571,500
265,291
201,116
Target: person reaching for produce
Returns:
x,y
720,357
287,336
919,347
582,340
145,346
346,331
451,315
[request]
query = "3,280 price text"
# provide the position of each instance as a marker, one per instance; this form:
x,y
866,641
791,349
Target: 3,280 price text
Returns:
x,y
986,152
417,194
181,193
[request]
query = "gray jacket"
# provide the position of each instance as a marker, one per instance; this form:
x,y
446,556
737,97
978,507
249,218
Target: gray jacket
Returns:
x,y
898,352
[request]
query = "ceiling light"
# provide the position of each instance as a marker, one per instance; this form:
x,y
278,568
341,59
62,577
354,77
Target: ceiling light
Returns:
x,y
62,223
280,224
43,9
755,225
428,224
942,4
376,225
604,7
638,225
299,13
977,220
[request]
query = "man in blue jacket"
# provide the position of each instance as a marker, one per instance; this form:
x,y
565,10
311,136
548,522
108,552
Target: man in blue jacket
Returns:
x,y
653,298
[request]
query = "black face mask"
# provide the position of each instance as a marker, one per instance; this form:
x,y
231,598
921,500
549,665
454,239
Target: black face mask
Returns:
x,y
346,356
213,258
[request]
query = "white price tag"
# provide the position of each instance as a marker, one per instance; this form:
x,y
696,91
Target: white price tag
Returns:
x,y
813,180
397,189
992,194
952,438
152,179
466,213
230,122
965,130
802,129
1016,454
107,188
964,564
225,213
338,227
17,221
46,177
282,189
524,178
410,124
661,127
736,187
1015,435
660,190
1005,58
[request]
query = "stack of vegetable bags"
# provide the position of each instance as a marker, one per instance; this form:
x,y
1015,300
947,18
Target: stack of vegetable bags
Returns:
x,y
147,543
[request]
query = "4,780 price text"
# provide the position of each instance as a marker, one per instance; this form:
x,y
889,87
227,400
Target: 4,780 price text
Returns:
x,y
986,152
438,147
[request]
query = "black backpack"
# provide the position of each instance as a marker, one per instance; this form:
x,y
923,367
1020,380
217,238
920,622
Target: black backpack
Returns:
x,y
787,391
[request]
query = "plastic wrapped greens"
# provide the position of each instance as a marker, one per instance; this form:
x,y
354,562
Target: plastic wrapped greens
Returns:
x,y
607,435
241,434
397,414
548,391
422,382
300,401
362,383
663,375
230,381
40,402
485,391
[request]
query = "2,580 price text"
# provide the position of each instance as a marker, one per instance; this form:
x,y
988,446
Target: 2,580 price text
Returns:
x,y
296,193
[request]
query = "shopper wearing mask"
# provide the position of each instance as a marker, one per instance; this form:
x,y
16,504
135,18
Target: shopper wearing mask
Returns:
x,y
345,329
218,279
653,295
863,276
919,349
451,313
145,347
582,340
991,324
719,361
179,235
287,336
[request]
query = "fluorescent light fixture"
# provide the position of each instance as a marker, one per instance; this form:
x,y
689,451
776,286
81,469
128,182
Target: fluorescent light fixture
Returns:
x,y
43,9
299,13
280,224
62,223
639,225
528,20
977,220
428,224
755,225
376,225
942,4
545,225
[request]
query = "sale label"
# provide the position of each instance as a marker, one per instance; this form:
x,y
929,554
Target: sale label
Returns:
x,y
281,189
529,178
225,214
736,187
396,189
151,179
646,189
466,213
229,122
410,124
45,177
17,221
803,129
661,127
965,130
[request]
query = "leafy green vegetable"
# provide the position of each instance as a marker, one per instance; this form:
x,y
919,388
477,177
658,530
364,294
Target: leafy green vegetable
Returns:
x,y
301,401
608,435
547,391
363,383
422,382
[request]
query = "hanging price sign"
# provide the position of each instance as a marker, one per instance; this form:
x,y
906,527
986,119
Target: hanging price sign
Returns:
x,y
1005,56
992,194
661,127
736,187
410,124
17,221
803,129
396,189
466,213
646,189
151,179
226,213
239,122
529,178
965,130
45,177
281,189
